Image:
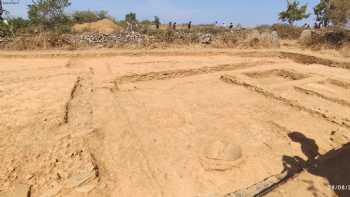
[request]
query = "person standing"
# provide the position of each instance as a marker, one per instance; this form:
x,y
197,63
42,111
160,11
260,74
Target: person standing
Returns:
x,y
170,25
157,22
174,26
231,26
189,25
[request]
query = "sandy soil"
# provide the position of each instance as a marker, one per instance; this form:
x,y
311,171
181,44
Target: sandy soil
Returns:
x,y
190,122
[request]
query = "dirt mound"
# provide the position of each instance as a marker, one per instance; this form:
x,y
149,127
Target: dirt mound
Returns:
x,y
221,156
106,26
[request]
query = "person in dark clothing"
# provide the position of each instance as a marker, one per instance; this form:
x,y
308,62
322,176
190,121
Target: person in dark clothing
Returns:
x,y
231,26
174,26
189,25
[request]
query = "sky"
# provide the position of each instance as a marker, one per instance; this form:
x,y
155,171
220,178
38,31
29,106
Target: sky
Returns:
x,y
245,12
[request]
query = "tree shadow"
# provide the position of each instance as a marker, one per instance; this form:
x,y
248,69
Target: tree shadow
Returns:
x,y
333,165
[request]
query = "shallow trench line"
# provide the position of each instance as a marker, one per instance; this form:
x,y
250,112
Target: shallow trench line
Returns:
x,y
332,99
107,111
181,73
233,80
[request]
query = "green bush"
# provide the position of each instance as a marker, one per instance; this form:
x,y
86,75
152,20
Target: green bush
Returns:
x,y
18,23
264,28
48,13
88,16
13,26
131,17
211,29
286,31
339,12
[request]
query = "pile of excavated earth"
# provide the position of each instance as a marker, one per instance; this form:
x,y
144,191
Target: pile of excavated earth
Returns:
x,y
175,122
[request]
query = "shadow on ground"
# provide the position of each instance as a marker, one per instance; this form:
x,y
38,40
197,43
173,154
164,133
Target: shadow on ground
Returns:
x,y
333,165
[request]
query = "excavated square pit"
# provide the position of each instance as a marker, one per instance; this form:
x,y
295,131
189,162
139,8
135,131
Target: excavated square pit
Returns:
x,y
207,132
275,76
175,126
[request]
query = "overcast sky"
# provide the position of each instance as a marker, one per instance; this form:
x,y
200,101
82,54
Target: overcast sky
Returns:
x,y
245,12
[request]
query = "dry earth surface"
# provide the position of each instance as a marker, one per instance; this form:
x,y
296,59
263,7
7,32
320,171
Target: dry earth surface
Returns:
x,y
175,122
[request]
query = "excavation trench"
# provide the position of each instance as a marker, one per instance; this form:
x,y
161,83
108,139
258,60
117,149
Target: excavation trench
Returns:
x,y
262,91
181,73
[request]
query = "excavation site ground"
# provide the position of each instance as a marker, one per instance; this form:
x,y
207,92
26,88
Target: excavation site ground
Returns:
x,y
189,122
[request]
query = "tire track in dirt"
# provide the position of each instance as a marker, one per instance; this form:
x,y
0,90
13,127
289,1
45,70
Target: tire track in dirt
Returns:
x,y
120,154
181,73
4,81
297,57
31,69
112,54
233,80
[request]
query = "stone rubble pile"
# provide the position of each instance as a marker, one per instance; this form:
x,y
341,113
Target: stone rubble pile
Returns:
x,y
206,38
115,38
3,37
235,37
132,37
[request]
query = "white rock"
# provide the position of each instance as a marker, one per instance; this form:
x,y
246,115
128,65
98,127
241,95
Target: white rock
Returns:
x,y
275,39
306,37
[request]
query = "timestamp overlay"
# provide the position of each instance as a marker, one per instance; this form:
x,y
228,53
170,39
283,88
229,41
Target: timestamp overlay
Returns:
x,y
340,187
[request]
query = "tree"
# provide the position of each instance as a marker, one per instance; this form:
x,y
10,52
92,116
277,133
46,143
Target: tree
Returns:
x,y
131,17
294,12
48,12
321,11
339,12
156,22
18,23
1,11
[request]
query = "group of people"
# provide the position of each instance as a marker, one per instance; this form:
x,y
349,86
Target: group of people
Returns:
x,y
230,26
316,26
319,25
173,25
